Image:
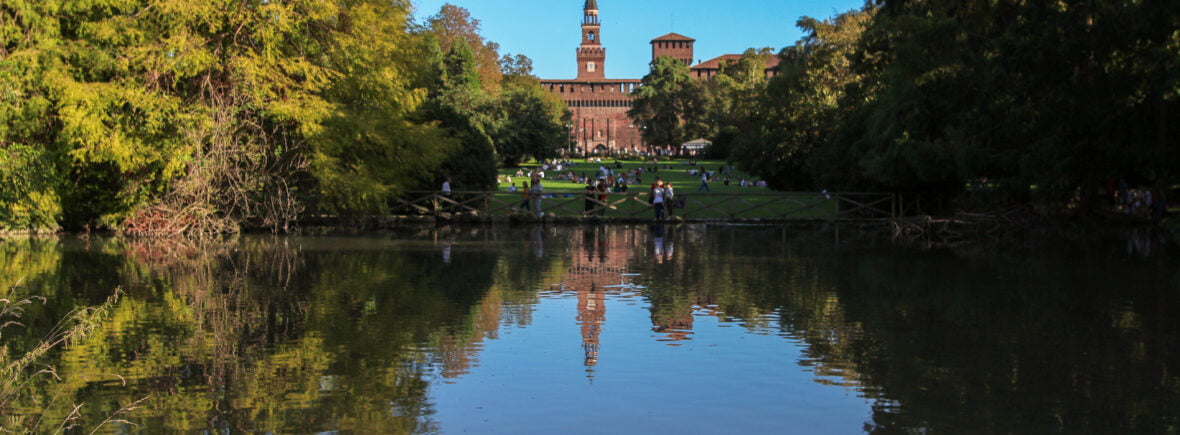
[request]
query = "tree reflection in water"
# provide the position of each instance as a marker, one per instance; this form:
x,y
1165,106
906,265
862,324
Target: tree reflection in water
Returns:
x,y
349,333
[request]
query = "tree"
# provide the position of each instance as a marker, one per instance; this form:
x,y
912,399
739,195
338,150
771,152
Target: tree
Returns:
x,y
516,67
800,108
460,106
371,149
668,104
530,119
452,24
80,128
207,116
733,99
31,177
1042,100
533,125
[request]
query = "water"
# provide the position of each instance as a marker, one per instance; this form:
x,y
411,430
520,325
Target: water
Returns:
x,y
685,329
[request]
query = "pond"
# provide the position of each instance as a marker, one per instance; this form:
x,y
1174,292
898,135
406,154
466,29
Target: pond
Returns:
x,y
602,329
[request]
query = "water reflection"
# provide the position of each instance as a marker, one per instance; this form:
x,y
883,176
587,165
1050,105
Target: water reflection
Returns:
x,y
371,334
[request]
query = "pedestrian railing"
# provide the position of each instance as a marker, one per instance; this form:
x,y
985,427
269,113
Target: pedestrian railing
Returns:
x,y
637,205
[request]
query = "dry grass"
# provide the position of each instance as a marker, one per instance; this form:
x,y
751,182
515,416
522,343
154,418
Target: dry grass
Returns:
x,y
17,372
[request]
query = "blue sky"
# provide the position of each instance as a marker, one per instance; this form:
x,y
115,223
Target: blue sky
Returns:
x,y
547,31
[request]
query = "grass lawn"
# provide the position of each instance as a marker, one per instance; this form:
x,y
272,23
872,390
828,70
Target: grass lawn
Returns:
x,y
677,174
722,201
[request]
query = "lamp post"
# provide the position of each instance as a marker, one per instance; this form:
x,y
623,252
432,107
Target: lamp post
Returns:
x,y
569,139
632,137
643,138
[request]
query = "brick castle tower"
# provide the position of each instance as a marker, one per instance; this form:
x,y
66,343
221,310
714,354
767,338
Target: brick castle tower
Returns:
x,y
599,122
599,105
591,55
676,45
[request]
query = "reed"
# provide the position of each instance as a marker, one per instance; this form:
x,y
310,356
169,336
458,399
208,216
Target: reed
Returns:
x,y
18,372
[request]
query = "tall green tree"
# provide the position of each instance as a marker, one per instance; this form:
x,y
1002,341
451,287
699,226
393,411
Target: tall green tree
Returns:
x,y
372,149
453,24
800,108
1043,99
251,80
998,102
30,171
81,128
734,99
669,104
168,116
530,118
460,106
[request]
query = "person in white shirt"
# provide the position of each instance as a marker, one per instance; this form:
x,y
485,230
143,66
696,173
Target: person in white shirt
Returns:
x,y
536,192
657,200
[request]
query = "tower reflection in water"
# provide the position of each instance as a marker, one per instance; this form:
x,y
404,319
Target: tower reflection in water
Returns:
x,y
605,262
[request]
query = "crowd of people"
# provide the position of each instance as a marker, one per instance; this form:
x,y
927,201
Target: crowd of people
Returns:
x,y
532,192
613,178
1140,201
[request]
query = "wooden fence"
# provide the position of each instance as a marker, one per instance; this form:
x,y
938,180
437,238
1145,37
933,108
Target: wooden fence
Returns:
x,y
636,205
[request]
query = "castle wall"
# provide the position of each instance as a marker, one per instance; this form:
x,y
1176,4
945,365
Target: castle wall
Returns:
x,y
599,108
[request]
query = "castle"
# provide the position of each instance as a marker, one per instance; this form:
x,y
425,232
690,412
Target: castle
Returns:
x,y
599,105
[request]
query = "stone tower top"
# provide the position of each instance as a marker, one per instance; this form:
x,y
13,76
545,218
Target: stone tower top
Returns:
x,y
590,12
591,54
676,45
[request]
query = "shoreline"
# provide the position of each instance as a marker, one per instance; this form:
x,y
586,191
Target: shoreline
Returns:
x,y
404,221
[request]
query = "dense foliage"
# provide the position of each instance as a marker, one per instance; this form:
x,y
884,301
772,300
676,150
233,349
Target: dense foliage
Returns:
x,y
186,116
1015,102
667,104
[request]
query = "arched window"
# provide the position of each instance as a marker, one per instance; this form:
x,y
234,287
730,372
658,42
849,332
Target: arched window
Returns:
x,y
590,36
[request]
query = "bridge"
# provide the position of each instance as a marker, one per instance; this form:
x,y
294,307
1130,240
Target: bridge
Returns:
x,y
761,206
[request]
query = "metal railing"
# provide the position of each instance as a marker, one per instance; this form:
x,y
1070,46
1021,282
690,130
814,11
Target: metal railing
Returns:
x,y
636,205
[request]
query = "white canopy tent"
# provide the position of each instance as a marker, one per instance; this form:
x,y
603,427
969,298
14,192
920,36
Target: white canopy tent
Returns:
x,y
696,145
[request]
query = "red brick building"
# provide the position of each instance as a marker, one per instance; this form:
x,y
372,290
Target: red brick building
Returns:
x,y
599,105
676,45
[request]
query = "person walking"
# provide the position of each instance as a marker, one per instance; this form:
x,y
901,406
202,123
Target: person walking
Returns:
x,y
704,182
524,196
536,193
446,192
657,200
588,203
